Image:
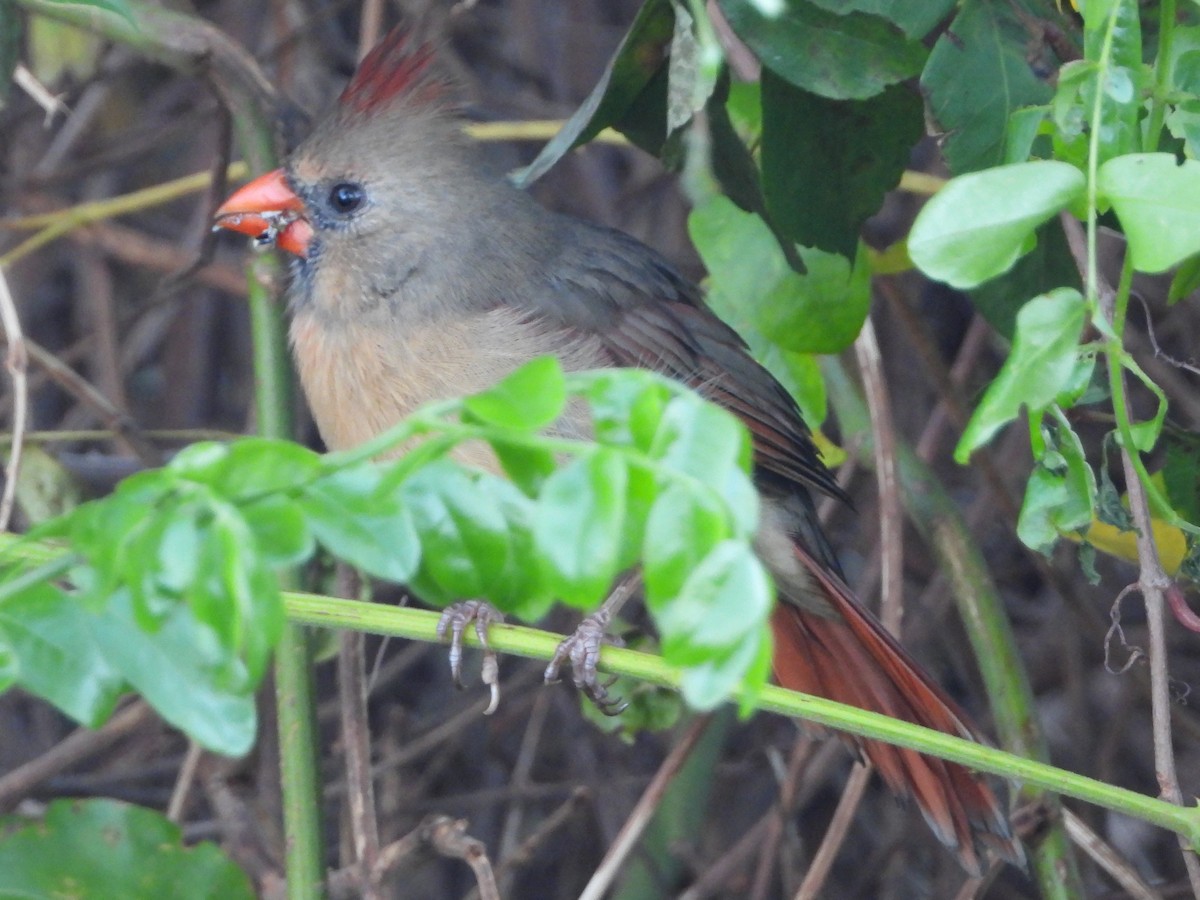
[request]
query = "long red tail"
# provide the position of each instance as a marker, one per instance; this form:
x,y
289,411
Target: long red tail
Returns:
x,y
850,658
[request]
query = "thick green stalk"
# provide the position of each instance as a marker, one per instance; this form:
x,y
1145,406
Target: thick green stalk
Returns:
x,y
294,693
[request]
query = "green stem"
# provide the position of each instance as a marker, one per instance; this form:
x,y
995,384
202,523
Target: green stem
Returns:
x,y
1162,70
421,625
294,691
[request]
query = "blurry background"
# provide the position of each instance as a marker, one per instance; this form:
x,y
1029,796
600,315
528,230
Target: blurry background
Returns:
x,y
172,354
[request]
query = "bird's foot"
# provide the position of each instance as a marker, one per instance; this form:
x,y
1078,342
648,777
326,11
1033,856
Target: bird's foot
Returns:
x,y
582,651
455,619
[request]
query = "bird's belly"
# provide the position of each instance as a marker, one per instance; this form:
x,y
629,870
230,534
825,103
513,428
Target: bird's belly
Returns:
x,y
362,379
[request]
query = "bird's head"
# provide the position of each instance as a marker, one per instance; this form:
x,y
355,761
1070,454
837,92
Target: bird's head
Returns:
x,y
368,190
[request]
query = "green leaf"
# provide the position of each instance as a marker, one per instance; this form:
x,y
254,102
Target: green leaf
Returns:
x,y
248,467
985,67
1181,473
1157,200
724,598
527,466
682,528
651,708
129,511
241,586
1042,362
823,183
1025,126
514,580
1112,30
9,665
528,400
843,57
117,7
280,530
1039,271
701,439
47,632
370,530
45,488
1183,123
1119,91
580,516
624,96
1060,496
627,405
1045,493
693,69
464,533
980,224
1104,90
710,683
752,286
184,672
915,17
1110,508
1185,280
104,848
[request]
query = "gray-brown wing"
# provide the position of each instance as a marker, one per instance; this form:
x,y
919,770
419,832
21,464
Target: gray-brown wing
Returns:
x,y
647,315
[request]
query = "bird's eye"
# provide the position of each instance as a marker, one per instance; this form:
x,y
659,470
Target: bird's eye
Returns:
x,y
346,196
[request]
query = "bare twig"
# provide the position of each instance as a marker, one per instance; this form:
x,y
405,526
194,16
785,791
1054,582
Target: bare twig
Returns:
x,y
356,741
116,420
370,26
802,753
891,521
1116,632
559,817
520,776
1107,858
17,362
184,782
835,835
870,363
643,811
548,826
77,746
1158,351
51,104
449,838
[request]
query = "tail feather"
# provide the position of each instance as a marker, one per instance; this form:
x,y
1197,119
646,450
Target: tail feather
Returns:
x,y
851,658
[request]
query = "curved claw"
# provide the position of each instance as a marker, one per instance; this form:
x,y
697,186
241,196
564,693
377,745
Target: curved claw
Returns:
x,y
582,651
455,619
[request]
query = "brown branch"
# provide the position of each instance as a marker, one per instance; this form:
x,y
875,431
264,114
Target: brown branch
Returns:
x,y
112,417
643,811
79,745
449,838
835,834
356,743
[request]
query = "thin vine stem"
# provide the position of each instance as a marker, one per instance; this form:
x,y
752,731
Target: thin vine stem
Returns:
x,y
421,625
1110,313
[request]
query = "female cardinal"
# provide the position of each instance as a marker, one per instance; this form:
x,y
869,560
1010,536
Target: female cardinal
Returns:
x,y
422,277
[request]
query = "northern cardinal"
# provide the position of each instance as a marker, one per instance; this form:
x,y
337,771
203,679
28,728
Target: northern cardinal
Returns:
x,y
420,276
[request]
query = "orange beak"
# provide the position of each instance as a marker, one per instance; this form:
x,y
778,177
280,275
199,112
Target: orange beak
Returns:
x,y
269,211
